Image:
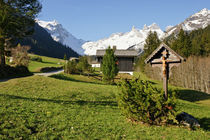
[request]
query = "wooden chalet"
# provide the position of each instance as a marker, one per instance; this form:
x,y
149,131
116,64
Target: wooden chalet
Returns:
x,y
125,59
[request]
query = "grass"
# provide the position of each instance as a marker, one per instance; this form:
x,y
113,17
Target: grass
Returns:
x,y
78,107
35,66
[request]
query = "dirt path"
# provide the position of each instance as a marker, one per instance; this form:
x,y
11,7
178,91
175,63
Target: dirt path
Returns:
x,y
49,73
40,74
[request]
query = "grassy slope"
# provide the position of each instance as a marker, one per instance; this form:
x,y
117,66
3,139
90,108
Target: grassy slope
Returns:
x,y
81,108
34,66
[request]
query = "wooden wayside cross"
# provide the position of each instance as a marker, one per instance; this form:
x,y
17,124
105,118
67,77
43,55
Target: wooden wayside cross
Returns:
x,y
166,58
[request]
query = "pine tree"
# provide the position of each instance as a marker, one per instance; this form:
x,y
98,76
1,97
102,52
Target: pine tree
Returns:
x,y
65,57
16,21
109,65
152,42
182,44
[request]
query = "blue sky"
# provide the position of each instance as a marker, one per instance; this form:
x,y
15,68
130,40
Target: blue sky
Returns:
x,y
97,19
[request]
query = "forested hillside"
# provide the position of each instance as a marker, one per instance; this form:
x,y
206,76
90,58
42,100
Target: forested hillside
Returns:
x,y
41,43
195,43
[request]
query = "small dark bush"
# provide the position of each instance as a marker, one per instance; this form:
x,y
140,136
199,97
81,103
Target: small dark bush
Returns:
x,y
8,71
49,69
36,58
140,101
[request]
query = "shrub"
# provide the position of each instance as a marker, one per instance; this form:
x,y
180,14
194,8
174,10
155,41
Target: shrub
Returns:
x,y
20,55
8,71
70,67
83,65
140,101
36,58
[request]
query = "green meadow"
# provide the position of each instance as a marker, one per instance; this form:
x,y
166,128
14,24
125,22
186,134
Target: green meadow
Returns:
x,y
35,66
80,107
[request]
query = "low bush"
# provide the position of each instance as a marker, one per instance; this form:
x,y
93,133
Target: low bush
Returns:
x,y
70,67
36,58
49,69
20,55
82,66
8,71
140,101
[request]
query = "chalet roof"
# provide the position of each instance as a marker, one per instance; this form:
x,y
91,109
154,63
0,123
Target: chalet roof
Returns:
x,y
123,53
162,45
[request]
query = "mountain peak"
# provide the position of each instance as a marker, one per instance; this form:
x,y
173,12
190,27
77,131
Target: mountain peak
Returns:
x,y
198,20
60,34
203,12
145,27
133,28
154,26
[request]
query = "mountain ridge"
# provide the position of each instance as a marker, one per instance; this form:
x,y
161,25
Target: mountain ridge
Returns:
x,y
126,40
42,43
133,39
60,34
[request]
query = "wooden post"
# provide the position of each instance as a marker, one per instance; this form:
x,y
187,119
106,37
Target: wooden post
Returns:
x,y
165,74
165,86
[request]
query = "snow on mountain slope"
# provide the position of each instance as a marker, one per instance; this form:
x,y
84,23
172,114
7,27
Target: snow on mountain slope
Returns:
x,y
134,39
196,21
60,34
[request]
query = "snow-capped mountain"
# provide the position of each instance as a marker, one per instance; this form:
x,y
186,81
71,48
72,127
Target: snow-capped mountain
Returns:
x,y
60,34
196,21
134,39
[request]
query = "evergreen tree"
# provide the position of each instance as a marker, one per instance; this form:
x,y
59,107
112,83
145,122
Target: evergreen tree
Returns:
x,y
152,42
182,44
201,42
16,21
109,65
65,57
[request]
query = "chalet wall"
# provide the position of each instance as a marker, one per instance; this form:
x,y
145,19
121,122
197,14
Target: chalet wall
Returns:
x,y
194,74
125,63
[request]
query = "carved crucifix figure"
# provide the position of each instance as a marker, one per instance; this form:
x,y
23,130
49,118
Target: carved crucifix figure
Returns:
x,y
165,58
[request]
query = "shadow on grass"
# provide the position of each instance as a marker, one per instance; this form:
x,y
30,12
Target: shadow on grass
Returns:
x,y
192,95
66,78
78,102
16,76
205,123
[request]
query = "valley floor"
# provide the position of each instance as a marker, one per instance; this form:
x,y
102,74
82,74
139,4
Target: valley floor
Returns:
x,y
78,107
